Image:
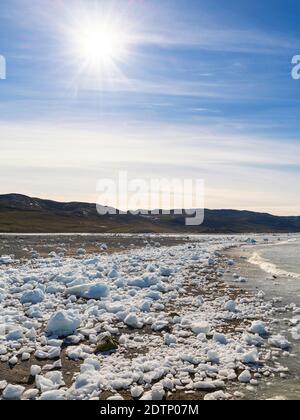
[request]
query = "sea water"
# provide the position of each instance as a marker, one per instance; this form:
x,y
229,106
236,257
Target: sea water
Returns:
x,y
281,262
275,269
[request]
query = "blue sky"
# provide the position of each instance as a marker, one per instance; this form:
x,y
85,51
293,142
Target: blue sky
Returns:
x,y
204,91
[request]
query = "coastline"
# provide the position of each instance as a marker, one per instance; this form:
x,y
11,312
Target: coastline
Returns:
x,y
187,320
282,321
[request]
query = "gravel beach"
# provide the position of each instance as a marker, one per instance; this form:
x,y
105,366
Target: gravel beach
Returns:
x,y
148,318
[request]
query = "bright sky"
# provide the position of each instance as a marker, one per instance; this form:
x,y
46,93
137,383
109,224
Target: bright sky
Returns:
x,y
175,88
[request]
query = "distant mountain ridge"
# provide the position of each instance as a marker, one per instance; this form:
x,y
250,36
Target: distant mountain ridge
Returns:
x,y
23,214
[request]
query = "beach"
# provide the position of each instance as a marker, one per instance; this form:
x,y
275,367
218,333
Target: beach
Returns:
x,y
142,317
274,269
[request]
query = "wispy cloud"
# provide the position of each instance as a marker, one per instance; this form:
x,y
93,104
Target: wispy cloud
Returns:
x,y
238,171
226,40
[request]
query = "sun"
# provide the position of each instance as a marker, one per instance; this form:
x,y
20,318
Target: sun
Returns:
x,y
101,44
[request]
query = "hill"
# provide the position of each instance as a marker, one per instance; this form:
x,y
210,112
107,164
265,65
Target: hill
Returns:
x,y
22,214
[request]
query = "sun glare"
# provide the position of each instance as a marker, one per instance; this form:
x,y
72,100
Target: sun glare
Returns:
x,y
101,44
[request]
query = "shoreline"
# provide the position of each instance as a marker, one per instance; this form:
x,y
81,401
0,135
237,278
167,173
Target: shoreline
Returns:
x,y
285,311
186,317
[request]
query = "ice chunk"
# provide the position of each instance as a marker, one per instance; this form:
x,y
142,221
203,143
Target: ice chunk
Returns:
x,y
213,357
146,306
154,295
13,361
53,396
25,357
113,274
116,397
220,338
279,342
217,396
63,323
204,386
15,335
253,340
251,357
159,325
259,327
132,321
137,391
50,382
31,394
230,306
165,271
6,259
199,301
89,291
169,339
245,377
158,393
201,328
3,385
211,262
144,282
33,297
53,289
168,384
35,370
13,392
98,291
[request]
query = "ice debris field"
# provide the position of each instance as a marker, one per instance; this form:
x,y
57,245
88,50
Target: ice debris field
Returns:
x,y
154,323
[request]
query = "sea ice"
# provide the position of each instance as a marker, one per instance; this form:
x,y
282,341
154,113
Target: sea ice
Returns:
x,y
137,391
113,274
6,259
15,335
33,297
165,271
201,328
279,342
230,306
31,394
259,327
152,289
63,323
89,291
50,382
13,392
220,338
3,385
217,396
132,321
57,395
35,370
213,357
253,340
250,358
245,377
169,339
158,392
